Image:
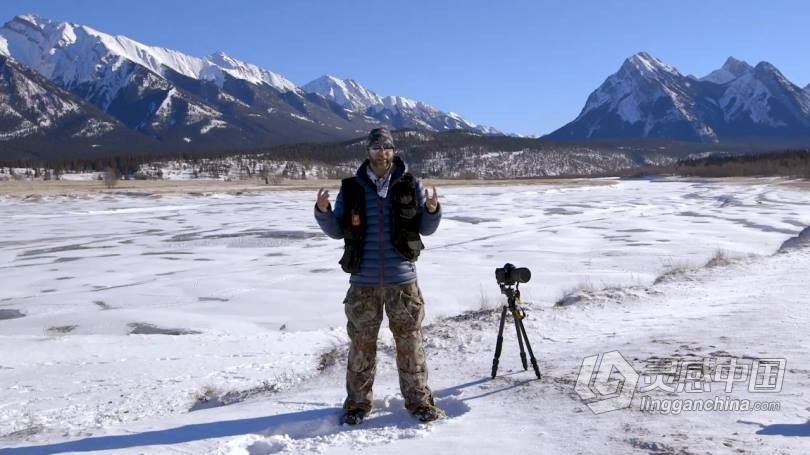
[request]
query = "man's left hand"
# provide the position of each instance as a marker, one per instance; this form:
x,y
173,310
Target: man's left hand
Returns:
x,y
431,202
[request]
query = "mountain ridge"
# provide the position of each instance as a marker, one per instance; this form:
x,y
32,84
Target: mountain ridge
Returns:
x,y
187,103
649,98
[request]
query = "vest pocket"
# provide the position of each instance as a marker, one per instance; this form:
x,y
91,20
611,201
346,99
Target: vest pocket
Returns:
x,y
352,255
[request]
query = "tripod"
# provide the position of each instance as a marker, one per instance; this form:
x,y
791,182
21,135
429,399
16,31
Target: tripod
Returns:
x,y
513,298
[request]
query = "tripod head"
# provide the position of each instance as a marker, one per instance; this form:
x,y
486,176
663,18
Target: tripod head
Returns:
x,y
511,293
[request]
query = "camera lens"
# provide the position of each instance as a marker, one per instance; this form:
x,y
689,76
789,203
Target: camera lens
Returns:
x,y
521,275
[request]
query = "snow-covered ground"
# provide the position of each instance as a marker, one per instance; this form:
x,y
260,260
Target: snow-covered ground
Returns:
x,y
251,292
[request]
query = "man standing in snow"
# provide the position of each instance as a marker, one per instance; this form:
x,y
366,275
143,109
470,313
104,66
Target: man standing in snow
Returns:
x,y
380,214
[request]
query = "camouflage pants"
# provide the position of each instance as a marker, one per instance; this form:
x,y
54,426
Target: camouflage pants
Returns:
x,y
405,309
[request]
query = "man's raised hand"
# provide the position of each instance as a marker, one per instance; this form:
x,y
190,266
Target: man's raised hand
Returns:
x,y
431,202
323,200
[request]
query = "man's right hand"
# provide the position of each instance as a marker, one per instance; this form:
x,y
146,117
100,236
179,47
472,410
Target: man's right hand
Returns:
x,y
323,200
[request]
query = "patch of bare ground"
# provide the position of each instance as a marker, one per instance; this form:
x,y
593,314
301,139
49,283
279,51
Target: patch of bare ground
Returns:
x,y
802,184
683,271
802,240
142,328
61,329
332,356
657,447
585,293
211,397
720,259
26,426
11,314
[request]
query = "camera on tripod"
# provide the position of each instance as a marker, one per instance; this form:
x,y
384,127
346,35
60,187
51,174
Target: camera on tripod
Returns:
x,y
508,276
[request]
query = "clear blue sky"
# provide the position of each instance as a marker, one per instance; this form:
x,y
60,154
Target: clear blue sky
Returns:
x,y
521,66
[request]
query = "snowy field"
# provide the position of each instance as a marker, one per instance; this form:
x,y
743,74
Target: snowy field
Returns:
x,y
213,324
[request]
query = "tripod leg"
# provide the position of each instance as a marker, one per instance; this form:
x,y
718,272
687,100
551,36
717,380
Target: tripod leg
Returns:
x,y
529,346
520,341
498,344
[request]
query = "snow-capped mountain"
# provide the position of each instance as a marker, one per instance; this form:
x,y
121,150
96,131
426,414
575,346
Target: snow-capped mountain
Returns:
x,y
345,92
245,71
648,98
730,70
71,54
396,111
182,101
761,101
645,98
35,112
187,102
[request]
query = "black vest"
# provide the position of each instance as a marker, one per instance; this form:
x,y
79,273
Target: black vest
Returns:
x,y
405,220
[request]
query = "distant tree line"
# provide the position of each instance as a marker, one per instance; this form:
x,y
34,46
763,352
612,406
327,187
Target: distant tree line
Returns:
x,y
127,165
422,149
788,163
123,165
415,143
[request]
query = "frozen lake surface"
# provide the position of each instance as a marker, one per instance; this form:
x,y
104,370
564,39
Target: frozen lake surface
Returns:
x,y
119,312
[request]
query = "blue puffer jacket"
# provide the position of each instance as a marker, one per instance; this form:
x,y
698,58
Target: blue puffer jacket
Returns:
x,y
381,264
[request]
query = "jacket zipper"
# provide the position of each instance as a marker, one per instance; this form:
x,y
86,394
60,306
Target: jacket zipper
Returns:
x,y
382,252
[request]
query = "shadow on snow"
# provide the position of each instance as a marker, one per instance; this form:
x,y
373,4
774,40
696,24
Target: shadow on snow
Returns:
x,y
297,425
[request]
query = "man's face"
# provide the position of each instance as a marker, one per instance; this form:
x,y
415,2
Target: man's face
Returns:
x,y
381,155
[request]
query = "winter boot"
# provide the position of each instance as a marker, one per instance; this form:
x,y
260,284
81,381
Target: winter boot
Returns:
x,y
354,416
428,413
